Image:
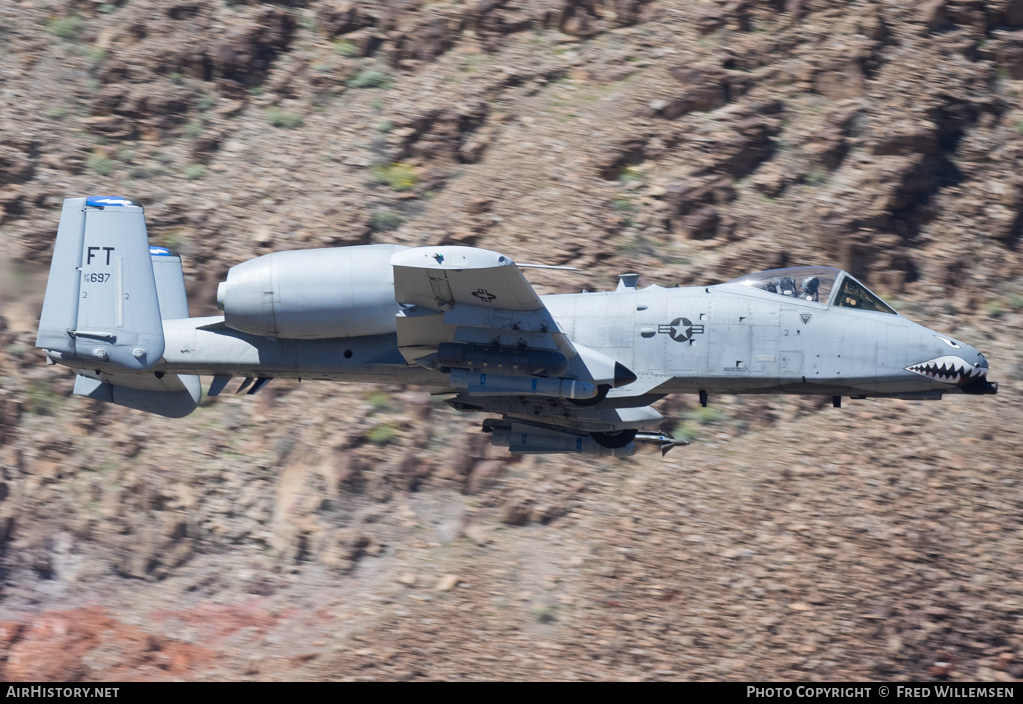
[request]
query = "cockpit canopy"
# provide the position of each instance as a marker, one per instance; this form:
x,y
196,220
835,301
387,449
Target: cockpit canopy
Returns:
x,y
821,284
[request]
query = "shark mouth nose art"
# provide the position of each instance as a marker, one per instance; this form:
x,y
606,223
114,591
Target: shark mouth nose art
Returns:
x,y
949,370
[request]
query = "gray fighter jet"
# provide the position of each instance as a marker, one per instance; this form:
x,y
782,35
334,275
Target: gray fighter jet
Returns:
x,y
573,373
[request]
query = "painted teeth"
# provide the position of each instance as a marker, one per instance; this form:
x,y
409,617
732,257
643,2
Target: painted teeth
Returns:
x,y
948,370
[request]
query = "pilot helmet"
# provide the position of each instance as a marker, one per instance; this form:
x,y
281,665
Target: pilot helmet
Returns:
x,y
811,286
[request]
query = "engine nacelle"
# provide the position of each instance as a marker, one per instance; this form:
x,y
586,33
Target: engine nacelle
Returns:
x,y
313,294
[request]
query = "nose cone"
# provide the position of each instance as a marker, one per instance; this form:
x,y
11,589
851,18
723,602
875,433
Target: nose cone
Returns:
x,y
980,385
956,364
949,369
982,363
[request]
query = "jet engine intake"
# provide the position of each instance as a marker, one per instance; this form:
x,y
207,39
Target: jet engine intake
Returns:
x,y
312,294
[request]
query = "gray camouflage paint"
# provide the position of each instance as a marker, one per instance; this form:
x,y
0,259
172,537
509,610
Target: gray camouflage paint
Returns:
x,y
724,338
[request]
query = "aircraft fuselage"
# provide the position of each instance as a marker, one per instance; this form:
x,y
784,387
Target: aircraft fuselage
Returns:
x,y
723,339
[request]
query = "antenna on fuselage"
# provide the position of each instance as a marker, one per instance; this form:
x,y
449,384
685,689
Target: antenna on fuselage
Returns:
x,y
627,281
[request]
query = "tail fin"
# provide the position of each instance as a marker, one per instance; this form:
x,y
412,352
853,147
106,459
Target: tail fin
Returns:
x,y
101,300
170,283
106,299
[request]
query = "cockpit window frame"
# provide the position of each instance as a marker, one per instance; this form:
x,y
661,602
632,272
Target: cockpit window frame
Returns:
x,y
839,287
797,278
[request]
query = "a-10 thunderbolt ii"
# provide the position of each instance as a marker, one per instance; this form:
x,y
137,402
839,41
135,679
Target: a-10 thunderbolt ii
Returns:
x,y
569,373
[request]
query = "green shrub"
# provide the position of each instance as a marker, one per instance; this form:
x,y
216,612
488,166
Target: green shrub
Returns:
x,y
382,434
100,164
346,47
370,78
40,399
385,221
630,175
282,119
379,401
192,129
705,415
398,176
194,172
546,614
685,431
94,54
816,177
67,27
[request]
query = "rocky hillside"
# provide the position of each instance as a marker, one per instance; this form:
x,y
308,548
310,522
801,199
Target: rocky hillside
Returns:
x,y
321,531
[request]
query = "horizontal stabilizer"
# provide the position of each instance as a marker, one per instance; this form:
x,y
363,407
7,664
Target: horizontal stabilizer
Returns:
x,y
179,396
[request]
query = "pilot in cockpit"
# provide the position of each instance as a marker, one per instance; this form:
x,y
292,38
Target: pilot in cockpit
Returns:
x,y
811,288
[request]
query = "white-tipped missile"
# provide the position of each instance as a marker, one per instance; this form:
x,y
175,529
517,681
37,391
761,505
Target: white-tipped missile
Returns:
x,y
523,440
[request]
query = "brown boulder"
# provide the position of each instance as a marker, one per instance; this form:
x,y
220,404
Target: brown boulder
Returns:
x,y
1009,54
772,180
423,41
337,18
687,196
246,55
516,512
1005,12
10,414
611,161
827,147
705,90
906,137
578,25
700,225
743,148
204,146
15,165
629,12
969,13
845,80
932,14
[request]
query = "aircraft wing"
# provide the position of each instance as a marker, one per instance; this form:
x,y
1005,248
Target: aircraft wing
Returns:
x,y
438,278
470,296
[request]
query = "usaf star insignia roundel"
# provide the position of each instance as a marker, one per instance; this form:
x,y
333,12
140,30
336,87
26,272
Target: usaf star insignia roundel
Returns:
x,y
681,330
